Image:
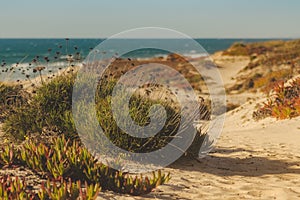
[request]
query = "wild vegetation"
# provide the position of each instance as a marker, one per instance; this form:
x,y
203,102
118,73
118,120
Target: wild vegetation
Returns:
x,y
37,116
10,95
65,165
283,102
270,63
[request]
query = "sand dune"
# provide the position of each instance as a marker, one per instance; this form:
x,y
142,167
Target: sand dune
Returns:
x,y
252,160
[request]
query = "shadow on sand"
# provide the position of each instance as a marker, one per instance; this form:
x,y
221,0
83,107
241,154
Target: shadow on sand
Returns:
x,y
231,166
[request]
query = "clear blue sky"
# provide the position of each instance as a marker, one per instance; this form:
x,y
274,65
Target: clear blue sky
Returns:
x,y
196,18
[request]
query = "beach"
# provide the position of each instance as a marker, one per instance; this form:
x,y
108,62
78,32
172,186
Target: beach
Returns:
x,y
142,100
252,159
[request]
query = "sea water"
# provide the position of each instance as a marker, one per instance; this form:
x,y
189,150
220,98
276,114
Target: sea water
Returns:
x,y
19,56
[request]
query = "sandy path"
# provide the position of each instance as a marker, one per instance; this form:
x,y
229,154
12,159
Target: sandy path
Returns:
x,y
230,66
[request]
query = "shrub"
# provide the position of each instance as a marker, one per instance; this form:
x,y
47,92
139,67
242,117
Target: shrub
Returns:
x,y
283,103
139,108
269,81
237,49
51,106
10,97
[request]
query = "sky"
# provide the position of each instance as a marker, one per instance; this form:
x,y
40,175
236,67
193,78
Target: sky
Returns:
x,y
196,18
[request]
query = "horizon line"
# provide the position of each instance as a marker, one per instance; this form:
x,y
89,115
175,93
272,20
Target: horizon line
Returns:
x,y
104,38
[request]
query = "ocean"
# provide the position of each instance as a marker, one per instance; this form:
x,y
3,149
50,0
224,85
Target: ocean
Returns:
x,y
19,55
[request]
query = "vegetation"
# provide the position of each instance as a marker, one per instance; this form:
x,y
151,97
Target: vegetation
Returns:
x,y
14,188
237,49
10,96
65,164
50,108
283,103
37,114
270,63
66,159
270,80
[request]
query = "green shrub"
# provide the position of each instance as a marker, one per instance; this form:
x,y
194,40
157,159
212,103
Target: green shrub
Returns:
x,y
51,106
139,108
11,96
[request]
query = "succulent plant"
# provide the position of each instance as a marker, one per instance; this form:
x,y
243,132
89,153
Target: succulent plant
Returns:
x,y
69,160
65,190
8,155
14,188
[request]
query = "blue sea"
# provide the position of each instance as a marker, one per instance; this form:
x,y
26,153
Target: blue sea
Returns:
x,y
17,55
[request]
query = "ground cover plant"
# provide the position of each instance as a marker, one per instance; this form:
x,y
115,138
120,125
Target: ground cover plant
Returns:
x,y
283,102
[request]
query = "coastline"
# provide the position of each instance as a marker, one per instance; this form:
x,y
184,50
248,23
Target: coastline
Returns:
x,y
251,160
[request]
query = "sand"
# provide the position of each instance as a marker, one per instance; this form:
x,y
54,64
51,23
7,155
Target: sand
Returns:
x,y
230,66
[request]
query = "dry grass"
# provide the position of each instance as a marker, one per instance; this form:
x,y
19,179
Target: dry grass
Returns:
x,y
270,62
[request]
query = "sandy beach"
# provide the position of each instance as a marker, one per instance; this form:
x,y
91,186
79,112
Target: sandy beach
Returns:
x,y
142,100
251,160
